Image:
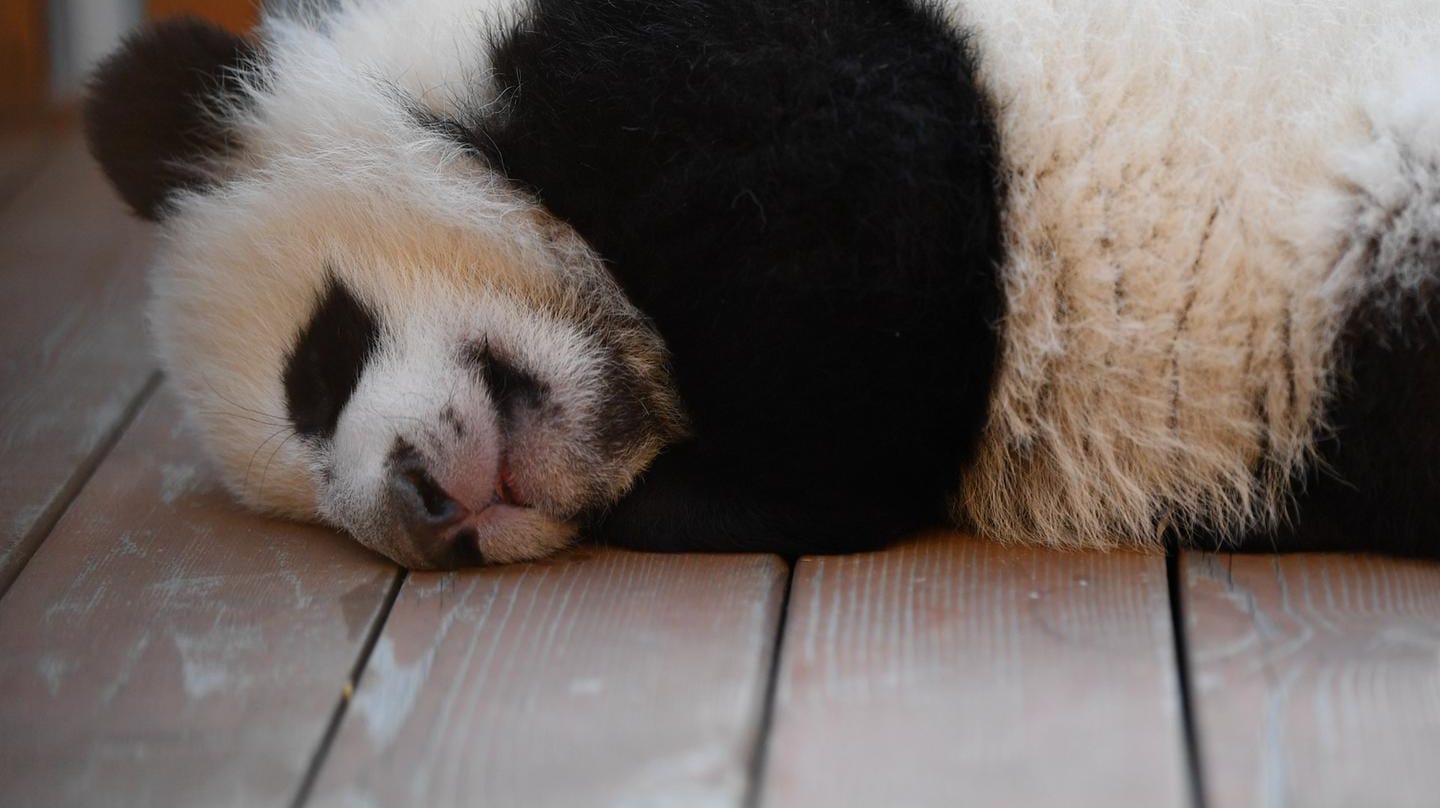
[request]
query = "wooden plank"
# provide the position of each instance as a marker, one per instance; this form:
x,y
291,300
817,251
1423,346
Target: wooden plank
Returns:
x,y
73,351
951,671
598,678
1316,679
166,648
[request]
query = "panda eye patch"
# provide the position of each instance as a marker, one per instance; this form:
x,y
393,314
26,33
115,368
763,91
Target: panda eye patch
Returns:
x,y
330,354
511,387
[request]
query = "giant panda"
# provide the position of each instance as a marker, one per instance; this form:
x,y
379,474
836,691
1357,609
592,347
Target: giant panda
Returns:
x,y
477,279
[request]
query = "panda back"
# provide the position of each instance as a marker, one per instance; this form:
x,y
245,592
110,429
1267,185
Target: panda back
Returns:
x,y
1201,197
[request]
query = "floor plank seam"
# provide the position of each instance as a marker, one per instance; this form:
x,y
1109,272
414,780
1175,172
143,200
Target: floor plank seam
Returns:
x,y
758,759
55,510
1188,709
347,693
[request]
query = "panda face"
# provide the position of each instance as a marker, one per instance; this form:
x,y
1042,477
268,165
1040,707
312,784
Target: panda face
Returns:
x,y
368,324
448,387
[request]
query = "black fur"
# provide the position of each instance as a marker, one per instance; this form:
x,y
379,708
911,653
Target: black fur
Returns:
x,y
1378,485
804,197
148,112
329,357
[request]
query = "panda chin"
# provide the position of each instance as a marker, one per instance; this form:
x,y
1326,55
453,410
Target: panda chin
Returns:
x,y
527,534
496,534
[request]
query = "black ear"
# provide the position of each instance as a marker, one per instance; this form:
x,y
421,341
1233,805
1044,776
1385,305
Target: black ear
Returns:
x,y
149,112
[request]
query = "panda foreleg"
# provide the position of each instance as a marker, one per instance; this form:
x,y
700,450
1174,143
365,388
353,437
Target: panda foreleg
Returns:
x,y
689,502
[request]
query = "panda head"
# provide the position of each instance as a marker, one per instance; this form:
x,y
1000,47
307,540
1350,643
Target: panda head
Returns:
x,y
368,324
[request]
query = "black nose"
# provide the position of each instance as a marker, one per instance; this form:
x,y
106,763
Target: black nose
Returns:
x,y
427,513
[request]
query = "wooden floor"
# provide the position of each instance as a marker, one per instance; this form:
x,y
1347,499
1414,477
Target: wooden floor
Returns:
x,y
159,646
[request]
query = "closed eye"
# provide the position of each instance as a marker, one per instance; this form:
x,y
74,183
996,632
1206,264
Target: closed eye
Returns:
x,y
511,387
328,359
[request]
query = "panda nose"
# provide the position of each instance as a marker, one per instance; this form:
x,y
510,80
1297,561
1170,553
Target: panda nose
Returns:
x,y
429,515
427,503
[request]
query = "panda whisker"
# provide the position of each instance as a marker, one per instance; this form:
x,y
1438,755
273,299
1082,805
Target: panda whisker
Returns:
x,y
266,471
252,419
245,480
276,419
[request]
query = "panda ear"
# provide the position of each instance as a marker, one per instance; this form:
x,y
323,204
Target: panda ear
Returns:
x,y
150,111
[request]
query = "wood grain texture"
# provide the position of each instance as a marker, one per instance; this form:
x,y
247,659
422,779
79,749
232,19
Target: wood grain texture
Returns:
x,y
598,678
1316,679
165,648
73,350
951,671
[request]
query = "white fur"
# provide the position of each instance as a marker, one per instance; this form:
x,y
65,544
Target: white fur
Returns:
x,y
1191,184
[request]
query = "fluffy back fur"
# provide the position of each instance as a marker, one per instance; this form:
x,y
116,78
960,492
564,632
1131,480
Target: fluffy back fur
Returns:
x,y
1200,194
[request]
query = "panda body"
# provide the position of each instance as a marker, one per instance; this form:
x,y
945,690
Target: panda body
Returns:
x,y
1066,275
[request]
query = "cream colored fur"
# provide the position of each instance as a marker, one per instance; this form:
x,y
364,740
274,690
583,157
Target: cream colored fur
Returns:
x,y
1192,186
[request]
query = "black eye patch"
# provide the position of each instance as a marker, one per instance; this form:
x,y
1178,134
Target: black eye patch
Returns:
x,y
329,356
511,387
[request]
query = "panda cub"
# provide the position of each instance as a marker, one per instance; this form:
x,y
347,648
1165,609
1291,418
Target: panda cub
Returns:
x,y
472,279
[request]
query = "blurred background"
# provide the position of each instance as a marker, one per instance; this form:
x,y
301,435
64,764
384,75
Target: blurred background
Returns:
x,y
48,46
